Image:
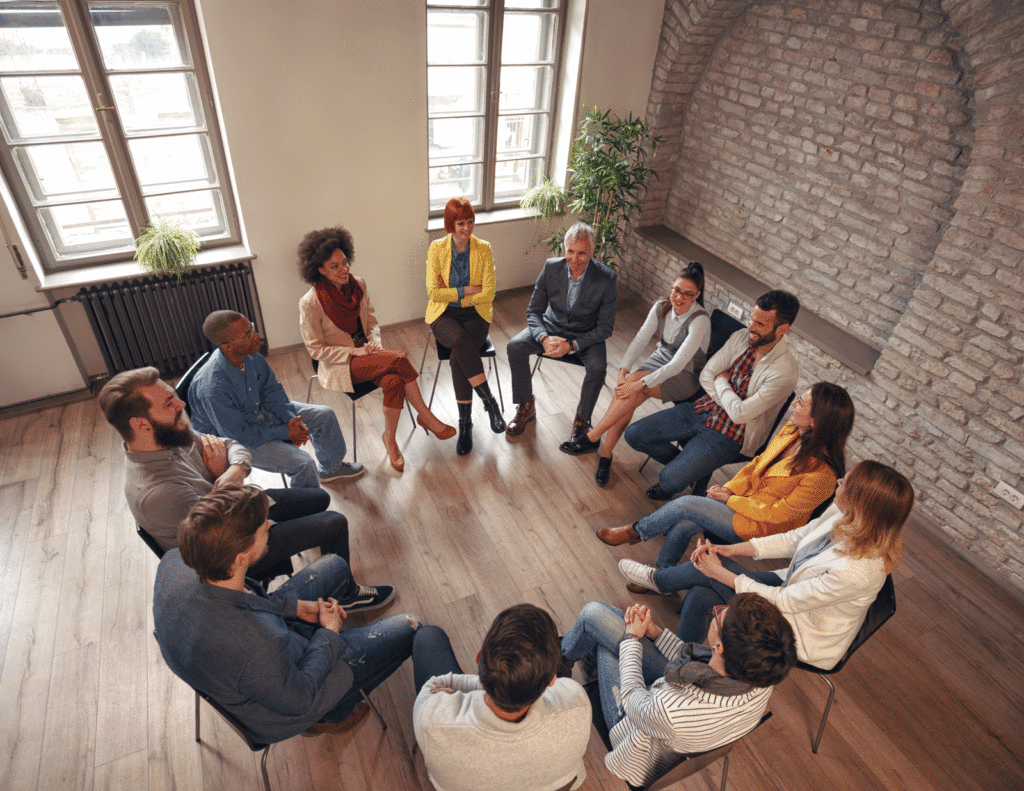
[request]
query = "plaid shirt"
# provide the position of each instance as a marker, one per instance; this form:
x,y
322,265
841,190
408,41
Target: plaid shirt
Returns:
x,y
739,381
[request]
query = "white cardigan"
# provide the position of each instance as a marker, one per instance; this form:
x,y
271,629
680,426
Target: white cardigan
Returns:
x,y
828,596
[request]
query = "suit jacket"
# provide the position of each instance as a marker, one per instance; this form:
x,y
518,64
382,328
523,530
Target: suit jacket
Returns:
x,y
481,273
593,316
774,377
769,499
827,597
328,344
237,648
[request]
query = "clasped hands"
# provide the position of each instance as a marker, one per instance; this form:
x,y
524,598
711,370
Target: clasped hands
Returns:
x,y
297,431
466,290
329,614
640,622
720,493
555,346
626,388
707,560
215,457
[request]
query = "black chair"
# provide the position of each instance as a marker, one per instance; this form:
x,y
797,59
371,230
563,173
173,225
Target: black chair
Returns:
x,y
487,351
571,358
150,541
181,389
247,736
881,610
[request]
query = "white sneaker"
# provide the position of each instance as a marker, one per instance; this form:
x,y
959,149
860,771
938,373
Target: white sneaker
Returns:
x,y
638,573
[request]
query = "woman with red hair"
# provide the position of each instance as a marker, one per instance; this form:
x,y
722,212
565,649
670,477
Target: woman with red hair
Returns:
x,y
460,290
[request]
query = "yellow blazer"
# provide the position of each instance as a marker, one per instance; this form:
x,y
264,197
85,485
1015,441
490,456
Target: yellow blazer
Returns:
x,y
769,499
330,345
481,273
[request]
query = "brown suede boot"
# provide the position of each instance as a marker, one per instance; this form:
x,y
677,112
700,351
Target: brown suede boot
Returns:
x,y
617,536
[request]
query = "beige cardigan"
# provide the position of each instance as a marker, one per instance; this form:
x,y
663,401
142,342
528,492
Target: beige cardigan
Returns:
x,y
330,345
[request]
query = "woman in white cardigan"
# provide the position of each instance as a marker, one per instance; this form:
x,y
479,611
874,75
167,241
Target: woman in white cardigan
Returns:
x,y
840,562
340,330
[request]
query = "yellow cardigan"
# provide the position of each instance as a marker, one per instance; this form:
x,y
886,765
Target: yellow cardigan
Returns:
x,y
481,273
769,499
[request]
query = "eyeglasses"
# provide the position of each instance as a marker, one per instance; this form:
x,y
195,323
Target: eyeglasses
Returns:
x,y
718,613
684,294
247,337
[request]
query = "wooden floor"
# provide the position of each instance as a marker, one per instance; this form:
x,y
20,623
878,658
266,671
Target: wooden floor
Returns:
x,y
934,701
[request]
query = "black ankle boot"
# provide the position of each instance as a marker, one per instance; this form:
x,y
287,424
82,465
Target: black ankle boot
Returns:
x,y
497,421
464,444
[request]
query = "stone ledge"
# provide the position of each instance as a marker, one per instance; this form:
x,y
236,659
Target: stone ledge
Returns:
x,y
839,343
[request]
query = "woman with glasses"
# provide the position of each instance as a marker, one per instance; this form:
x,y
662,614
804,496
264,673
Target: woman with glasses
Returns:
x,y
839,564
340,330
774,493
683,329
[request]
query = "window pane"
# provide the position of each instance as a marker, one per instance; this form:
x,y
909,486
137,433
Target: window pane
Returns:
x,y
184,162
456,36
67,172
202,211
139,37
455,90
87,227
467,3
525,88
42,107
453,181
531,4
453,140
528,38
33,38
514,177
157,102
522,135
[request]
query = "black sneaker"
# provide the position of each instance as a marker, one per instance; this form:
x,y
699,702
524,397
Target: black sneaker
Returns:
x,y
367,598
579,445
657,493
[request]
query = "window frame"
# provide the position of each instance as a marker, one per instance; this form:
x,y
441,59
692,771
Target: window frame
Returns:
x,y
85,45
496,11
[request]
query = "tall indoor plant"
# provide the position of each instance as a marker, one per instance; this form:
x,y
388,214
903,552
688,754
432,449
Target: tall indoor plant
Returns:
x,y
166,248
609,173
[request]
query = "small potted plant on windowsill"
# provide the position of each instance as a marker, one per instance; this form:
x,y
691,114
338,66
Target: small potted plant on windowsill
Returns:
x,y
166,248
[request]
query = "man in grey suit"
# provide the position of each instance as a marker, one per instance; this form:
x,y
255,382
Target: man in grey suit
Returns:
x,y
572,311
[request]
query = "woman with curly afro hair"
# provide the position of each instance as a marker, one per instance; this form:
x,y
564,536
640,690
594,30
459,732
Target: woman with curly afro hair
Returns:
x,y
340,330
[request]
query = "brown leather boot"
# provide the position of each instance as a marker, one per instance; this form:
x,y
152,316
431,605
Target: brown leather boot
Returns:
x,y
579,426
617,536
526,412
358,715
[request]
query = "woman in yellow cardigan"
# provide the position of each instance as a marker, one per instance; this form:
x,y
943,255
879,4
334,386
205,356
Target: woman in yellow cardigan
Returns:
x,y
774,493
460,289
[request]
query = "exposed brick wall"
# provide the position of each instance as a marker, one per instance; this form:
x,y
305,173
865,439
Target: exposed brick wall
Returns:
x,y
916,246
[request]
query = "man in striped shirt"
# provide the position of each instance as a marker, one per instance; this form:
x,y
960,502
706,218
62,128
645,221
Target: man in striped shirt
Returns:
x,y
700,696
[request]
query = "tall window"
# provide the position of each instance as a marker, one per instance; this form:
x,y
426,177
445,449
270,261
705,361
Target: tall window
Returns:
x,y
108,123
491,67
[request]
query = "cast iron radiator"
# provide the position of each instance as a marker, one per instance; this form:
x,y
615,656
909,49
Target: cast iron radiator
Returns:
x,y
158,320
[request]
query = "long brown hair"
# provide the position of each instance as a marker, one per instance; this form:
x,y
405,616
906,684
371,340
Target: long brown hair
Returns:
x,y
833,412
694,272
878,501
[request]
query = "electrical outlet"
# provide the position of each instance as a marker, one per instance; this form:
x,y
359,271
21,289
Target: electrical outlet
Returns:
x,y
735,311
1011,495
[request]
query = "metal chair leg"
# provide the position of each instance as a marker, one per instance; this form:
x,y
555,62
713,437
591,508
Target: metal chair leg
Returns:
x,y
263,769
824,717
197,718
536,365
355,438
644,464
383,725
493,368
426,345
725,770
437,374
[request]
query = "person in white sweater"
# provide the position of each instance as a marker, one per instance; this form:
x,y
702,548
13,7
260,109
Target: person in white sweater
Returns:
x,y
670,373
514,726
840,562
661,698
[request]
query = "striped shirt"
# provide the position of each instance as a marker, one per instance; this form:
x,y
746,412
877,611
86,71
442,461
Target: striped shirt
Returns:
x,y
668,720
739,381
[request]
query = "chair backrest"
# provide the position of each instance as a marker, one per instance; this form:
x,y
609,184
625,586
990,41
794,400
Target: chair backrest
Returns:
x,y
691,764
181,389
880,611
776,424
150,541
722,327
236,726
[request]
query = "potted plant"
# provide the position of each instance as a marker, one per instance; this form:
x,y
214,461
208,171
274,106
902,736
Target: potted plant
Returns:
x,y
609,173
166,248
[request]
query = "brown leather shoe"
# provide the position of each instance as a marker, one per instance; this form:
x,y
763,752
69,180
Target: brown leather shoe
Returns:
x,y
617,536
579,426
358,714
525,412
633,587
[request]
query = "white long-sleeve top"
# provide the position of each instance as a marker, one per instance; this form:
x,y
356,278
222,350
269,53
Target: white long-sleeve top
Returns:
x,y
697,337
668,720
827,597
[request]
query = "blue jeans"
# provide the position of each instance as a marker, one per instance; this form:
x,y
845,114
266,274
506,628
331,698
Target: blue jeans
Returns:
x,y
598,630
703,594
432,655
302,522
704,451
682,519
328,444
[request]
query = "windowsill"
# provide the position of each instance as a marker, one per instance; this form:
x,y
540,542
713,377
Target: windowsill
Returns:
x,y
487,218
90,275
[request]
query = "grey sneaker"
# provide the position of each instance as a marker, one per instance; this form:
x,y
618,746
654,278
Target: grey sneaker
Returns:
x,y
346,470
367,598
